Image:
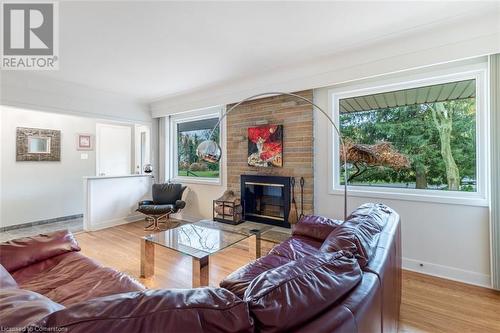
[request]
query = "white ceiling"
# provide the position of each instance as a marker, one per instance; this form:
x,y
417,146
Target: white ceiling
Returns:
x,y
149,50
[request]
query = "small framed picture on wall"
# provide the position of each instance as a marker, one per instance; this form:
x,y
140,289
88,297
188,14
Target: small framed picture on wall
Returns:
x,y
84,142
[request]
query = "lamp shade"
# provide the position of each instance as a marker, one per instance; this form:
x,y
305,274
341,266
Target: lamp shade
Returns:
x,y
209,151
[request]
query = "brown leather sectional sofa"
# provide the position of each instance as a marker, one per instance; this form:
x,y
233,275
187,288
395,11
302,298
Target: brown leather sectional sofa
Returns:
x,y
328,277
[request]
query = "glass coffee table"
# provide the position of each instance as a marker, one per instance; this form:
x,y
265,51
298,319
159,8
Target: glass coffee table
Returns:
x,y
199,241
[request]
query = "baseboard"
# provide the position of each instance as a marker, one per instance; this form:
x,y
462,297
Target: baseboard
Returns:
x,y
113,222
40,222
447,272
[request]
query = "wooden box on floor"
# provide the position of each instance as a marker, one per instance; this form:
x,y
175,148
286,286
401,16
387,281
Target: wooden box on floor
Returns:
x,y
227,212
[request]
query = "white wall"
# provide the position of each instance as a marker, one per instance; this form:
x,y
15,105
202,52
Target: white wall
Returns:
x,y
448,240
33,191
198,199
1,169
111,201
68,106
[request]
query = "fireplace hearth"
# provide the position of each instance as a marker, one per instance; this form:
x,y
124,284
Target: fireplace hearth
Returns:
x,y
266,199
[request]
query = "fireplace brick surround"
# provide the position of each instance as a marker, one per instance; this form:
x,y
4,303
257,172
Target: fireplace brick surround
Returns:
x,y
296,116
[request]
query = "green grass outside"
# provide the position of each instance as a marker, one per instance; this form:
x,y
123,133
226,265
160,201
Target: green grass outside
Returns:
x,y
203,174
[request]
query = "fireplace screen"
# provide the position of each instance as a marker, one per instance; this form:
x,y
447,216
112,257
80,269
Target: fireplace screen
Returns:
x,y
266,200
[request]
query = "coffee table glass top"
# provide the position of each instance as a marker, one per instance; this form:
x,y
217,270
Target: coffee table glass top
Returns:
x,y
196,240
265,232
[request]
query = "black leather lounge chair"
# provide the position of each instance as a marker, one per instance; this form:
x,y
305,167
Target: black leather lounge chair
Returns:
x,y
167,199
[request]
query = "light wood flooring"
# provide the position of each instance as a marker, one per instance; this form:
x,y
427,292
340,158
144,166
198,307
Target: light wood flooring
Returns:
x,y
429,304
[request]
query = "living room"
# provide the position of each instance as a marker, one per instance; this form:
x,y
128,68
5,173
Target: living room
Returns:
x,y
256,166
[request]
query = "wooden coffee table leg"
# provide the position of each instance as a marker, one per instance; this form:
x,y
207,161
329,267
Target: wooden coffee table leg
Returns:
x,y
200,272
254,248
147,258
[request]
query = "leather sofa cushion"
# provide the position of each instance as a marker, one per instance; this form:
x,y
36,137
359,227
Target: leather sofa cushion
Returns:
x,y
296,247
239,280
315,227
32,272
22,252
359,239
6,280
20,308
292,249
360,233
200,310
283,298
75,278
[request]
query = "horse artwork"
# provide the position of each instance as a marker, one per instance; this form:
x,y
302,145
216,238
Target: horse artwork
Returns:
x,y
265,146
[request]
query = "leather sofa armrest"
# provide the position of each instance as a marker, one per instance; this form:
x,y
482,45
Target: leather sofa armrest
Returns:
x,y
23,252
315,227
360,233
178,310
145,202
180,204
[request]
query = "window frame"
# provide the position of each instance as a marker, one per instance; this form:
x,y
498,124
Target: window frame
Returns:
x,y
477,72
209,113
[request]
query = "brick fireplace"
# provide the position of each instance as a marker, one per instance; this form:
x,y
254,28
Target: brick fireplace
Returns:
x,y
296,116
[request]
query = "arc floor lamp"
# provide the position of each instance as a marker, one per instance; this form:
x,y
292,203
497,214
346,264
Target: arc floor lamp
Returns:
x,y
210,151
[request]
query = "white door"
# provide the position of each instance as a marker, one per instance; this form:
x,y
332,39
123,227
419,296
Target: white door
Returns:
x,y
114,150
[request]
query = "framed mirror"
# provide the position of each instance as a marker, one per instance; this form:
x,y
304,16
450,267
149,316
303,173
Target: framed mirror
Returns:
x,y
35,144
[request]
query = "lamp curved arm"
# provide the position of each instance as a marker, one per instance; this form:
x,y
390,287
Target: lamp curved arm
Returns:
x,y
344,151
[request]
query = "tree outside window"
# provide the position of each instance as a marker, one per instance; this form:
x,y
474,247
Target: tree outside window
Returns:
x,y
420,138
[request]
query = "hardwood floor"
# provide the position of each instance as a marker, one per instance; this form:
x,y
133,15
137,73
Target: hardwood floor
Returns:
x,y
437,305
429,304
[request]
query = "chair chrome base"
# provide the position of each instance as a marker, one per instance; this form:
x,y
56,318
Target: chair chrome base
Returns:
x,y
157,225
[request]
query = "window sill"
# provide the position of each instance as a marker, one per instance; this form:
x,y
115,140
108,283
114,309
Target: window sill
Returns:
x,y
465,198
201,181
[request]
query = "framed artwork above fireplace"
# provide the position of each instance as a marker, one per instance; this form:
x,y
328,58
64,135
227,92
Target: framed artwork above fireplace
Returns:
x,y
265,146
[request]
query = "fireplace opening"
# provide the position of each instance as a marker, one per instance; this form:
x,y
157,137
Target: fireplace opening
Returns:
x,y
266,199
